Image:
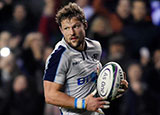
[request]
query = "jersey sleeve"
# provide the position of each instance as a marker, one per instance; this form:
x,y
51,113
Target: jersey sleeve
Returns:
x,y
98,49
56,66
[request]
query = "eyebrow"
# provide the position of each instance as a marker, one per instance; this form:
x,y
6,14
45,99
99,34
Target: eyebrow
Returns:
x,y
77,23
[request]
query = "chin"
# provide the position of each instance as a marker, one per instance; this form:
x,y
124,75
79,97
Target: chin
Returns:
x,y
74,46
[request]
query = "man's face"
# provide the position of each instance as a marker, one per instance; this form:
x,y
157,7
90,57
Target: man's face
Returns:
x,y
73,31
139,10
123,8
19,13
117,51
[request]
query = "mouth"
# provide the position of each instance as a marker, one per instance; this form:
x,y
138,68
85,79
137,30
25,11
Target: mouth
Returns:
x,y
74,38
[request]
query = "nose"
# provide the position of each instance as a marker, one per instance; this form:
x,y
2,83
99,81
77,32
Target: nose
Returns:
x,y
72,31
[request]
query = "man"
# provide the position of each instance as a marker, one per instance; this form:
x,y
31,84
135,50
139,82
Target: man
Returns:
x,y
71,69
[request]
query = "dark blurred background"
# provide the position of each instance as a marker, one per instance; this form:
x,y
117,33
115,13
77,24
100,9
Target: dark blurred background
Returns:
x,y
128,30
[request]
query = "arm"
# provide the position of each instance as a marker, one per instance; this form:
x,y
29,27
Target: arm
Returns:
x,y
54,96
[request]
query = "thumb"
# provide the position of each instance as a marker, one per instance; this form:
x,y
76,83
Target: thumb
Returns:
x,y
90,95
94,92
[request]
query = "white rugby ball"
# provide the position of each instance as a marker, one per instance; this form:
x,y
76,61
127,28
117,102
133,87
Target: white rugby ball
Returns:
x,y
109,79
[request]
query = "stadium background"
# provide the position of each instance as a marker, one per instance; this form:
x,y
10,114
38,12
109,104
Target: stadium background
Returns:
x,y
128,30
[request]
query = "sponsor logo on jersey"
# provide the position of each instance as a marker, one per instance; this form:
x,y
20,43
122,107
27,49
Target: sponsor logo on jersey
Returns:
x,y
75,63
92,77
95,56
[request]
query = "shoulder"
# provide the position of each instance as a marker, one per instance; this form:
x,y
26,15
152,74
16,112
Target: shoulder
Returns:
x,y
93,43
58,55
60,46
61,49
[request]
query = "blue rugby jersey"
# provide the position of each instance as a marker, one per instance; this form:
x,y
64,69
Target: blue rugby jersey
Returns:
x,y
75,70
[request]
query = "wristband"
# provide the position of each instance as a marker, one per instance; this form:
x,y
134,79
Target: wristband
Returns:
x,y
79,103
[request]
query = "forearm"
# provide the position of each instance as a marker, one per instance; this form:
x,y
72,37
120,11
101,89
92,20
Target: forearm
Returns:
x,y
54,96
60,99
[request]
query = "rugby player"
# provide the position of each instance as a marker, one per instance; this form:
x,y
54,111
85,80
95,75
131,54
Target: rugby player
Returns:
x,y
72,68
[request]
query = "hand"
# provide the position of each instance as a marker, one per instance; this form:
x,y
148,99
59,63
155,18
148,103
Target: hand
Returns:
x,y
123,87
96,103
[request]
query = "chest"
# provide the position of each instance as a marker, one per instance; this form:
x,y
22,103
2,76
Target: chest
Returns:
x,y
83,64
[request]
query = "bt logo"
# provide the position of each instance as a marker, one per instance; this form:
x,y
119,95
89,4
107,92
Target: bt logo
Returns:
x,y
92,77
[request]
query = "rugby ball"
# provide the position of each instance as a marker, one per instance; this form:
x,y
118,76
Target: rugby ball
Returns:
x,y
109,79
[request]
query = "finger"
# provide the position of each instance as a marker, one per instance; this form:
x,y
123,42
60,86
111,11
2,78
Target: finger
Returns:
x,y
106,106
94,92
100,111
104,102
118,96
124,83
107,102
121,90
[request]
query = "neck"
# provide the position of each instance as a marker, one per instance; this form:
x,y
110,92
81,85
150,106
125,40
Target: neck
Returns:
x,y
81,46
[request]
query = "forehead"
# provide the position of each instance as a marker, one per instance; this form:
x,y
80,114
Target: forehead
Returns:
x,y
70,21
134,67
138,4
123,2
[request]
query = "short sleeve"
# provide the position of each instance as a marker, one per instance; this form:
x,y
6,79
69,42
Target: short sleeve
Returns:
x,y
56,66
98,49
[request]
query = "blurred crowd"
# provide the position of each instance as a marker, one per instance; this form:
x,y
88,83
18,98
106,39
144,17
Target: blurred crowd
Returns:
x,y
125,29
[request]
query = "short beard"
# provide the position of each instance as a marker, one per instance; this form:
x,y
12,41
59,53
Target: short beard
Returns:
x,y
81,42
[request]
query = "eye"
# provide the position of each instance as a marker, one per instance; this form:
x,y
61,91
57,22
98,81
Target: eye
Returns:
x,y
66,28
76,26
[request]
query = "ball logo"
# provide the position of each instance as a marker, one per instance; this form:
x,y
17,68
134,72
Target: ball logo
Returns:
x,y
103,85
109,79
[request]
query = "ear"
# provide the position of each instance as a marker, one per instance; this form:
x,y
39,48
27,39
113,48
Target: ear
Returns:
x,y
61,29
85,25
